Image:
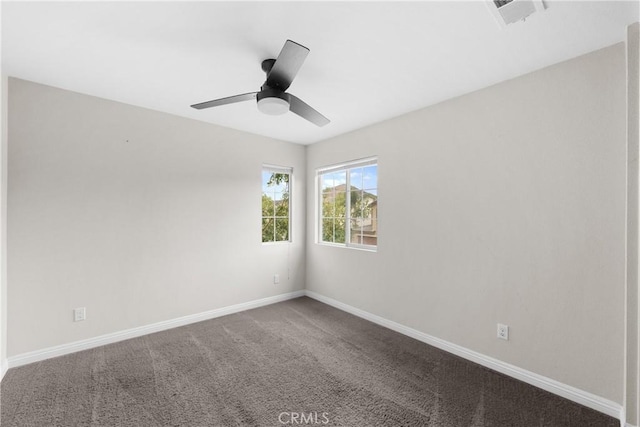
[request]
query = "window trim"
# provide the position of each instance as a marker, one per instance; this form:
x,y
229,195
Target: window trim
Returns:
x,y
280,169
345,166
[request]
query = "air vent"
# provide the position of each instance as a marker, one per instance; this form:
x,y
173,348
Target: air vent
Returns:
x,y
509,11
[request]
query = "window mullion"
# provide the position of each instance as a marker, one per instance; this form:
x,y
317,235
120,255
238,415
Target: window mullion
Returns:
x,y
319,225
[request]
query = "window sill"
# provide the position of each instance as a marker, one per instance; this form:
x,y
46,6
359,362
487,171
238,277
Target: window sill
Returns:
x,y
356,247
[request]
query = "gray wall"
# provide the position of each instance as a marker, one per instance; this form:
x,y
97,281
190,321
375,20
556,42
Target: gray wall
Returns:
x,y
633,151
137,215
505,205
3,224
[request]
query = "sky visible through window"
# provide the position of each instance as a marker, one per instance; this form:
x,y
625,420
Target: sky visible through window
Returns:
x,y
365,178
277,189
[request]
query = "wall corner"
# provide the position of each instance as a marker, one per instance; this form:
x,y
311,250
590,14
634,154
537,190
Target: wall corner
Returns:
x,y
632,340
3,223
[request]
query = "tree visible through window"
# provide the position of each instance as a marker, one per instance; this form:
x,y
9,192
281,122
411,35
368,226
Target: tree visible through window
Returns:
x,y
349,204
276,204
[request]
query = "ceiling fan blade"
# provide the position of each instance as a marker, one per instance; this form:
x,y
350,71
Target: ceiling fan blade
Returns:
x,y
225,101
287,65
299,107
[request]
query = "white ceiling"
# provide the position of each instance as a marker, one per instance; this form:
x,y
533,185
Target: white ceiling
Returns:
x,y
369,61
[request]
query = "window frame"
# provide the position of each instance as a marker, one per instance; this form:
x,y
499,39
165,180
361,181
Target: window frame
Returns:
x,y
346,167
281,170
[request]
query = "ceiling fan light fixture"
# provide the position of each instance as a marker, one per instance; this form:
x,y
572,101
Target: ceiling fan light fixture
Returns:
x,y
273,98
273,105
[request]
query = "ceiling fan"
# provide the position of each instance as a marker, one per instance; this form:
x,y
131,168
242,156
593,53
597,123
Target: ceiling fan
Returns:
x,y
272,97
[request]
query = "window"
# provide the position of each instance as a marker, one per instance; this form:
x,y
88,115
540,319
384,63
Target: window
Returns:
x,y
276,199
348,205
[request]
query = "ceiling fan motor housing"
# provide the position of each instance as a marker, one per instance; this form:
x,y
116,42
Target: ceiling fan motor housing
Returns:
x,y
267,65
273,102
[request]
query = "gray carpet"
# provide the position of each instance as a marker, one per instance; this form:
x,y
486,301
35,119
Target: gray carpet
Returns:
x,y
299,362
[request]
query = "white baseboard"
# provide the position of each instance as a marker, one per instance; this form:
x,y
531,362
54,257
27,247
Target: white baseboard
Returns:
x,y
568,392
576,395
60,350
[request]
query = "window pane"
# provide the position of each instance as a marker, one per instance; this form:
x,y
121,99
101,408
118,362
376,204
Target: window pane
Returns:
x,y
340,181
356,203
370,178
282,207
327,182
356,231
341,204
355,178
268,207
275,181
266,176
281,179
340,231
370,232
370,240
267,230
328,205
327,230
281,187
282,229
335,180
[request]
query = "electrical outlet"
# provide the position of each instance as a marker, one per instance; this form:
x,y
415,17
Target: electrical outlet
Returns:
x,y
79,314
503,331
276,279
